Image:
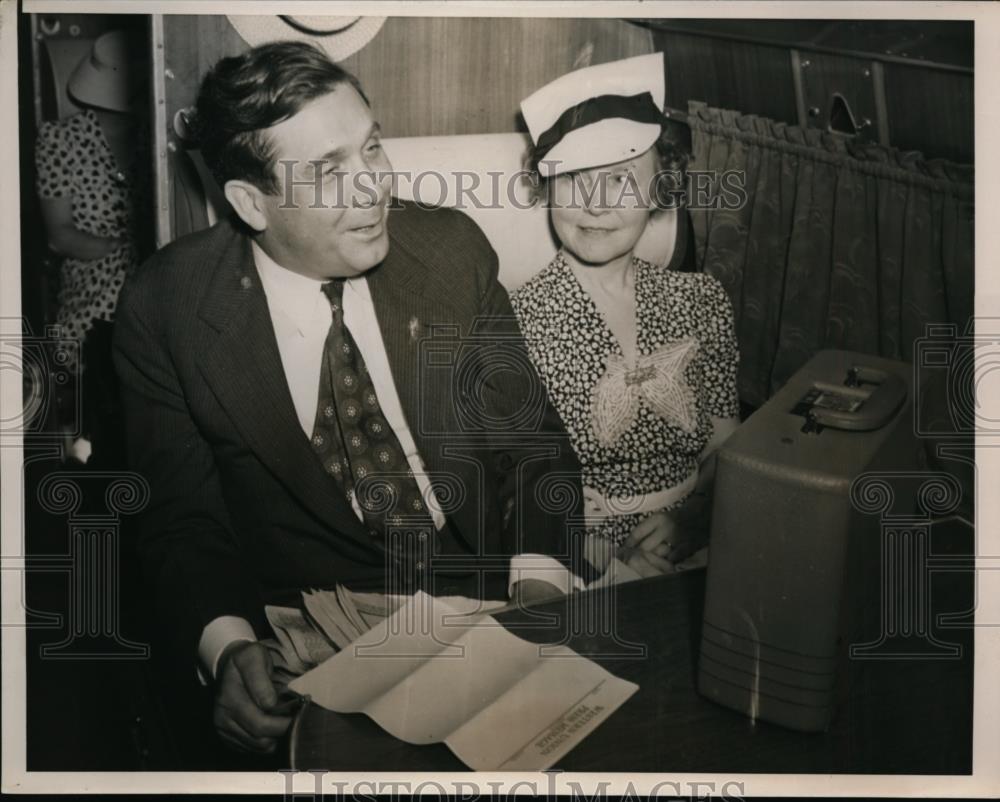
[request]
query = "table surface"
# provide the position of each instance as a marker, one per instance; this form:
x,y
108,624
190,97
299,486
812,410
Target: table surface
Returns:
x,y
896,717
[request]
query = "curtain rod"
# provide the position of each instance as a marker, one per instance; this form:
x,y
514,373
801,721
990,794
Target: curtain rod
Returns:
x,y
666,27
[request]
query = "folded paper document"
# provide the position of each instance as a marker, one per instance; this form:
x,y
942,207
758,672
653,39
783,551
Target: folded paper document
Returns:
x,y
434,672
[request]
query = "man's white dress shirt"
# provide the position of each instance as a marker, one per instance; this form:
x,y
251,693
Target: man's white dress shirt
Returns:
x,y
301,316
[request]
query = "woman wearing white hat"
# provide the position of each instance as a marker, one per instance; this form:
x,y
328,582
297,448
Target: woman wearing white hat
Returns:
x,y
89,167
639,359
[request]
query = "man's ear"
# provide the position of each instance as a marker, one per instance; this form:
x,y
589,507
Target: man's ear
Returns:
x,y
247,200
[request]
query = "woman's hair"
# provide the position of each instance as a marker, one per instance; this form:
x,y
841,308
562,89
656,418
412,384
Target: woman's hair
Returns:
x,y
673,148
244,95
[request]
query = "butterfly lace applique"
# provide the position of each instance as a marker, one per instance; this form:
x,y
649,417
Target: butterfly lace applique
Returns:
x,y
658,378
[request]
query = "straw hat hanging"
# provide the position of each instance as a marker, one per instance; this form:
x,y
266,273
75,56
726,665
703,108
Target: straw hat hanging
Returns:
x,y
340,37
110,75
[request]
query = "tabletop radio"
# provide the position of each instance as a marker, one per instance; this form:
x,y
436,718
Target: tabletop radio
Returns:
x,y
794,567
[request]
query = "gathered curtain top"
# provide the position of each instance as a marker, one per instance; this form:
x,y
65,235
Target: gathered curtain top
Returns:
x,y
909,167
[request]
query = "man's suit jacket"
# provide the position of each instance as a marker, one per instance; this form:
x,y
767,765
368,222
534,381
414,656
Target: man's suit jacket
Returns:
x,y
242,512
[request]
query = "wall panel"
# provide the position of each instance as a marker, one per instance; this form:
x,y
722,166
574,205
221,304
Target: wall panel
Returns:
x,y
433,75
733,75
931,111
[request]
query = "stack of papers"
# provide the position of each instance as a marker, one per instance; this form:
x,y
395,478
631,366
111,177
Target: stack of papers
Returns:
x,y
342,617
433,672
333,619
299,646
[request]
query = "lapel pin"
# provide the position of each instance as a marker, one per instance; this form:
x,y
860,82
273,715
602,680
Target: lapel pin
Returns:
x,y
414,328
246,283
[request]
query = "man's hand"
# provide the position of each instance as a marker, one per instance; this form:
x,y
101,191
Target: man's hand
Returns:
x,y
247,712
533,591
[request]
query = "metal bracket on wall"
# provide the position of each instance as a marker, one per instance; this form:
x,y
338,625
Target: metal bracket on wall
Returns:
x,y
826,82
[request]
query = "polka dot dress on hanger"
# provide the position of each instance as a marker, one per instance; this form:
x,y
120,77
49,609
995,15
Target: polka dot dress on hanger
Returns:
x,y
74,160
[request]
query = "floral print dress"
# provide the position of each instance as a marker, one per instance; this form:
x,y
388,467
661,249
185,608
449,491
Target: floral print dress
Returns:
x,y
637,429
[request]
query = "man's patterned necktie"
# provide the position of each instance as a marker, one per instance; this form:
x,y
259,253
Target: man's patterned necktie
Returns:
x,y
357,446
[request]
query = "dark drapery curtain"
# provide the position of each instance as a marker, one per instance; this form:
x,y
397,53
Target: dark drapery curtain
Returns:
x,y
838,245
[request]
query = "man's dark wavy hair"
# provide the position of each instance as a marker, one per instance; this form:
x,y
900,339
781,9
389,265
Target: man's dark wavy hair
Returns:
x,y
243,95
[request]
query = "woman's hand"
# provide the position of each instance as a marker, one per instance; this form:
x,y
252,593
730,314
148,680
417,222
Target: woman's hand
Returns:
x,y
658,543
646,550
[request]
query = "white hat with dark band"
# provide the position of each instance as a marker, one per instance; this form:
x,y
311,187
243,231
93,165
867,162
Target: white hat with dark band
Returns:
x,y
598,115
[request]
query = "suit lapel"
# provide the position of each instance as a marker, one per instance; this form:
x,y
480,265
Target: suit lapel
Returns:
x,y
409,305
403,317
243,367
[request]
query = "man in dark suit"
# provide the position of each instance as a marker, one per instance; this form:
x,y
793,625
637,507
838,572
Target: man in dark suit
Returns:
x,y
326,390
